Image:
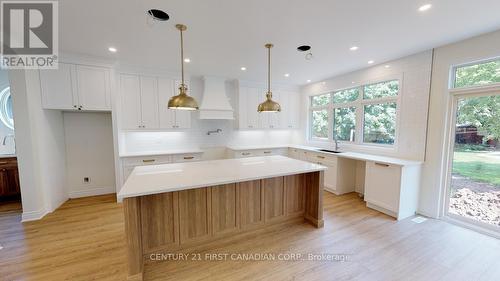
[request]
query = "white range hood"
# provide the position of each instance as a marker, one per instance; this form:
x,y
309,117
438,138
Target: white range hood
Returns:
x,y
215,103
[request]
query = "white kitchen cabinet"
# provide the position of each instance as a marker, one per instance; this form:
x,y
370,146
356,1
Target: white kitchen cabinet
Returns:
x,y
248,102
130,90
149,103
290,110
94,87
76,87
392,189
57,86
169,118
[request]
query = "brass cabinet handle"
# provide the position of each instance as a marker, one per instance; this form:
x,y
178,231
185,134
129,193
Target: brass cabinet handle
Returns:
x,y
245,153
320,157
148,160
188,157
382,164
267,152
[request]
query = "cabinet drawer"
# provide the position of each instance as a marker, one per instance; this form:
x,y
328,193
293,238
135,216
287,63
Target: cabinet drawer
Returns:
x,y
322,158
244,153
186,157
382,185
146,160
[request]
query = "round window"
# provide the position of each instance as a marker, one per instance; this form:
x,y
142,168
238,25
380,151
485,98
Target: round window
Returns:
x,y
6,108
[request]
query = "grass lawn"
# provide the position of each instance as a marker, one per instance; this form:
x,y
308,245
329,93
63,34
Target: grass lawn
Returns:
x,y
478,166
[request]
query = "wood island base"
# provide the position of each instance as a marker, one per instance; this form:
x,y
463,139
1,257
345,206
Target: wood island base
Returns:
x,y
177,220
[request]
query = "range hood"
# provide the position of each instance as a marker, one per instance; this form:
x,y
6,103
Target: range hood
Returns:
x,y
215,103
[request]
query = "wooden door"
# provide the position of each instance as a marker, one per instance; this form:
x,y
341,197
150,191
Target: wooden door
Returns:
x,y
159,219
274,198
195,215
225,208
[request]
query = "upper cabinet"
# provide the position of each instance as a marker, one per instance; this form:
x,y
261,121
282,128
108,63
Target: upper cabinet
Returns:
x,y
76,87
249,118
144,104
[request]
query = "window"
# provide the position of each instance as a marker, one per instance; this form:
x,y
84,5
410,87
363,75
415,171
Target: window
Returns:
x,y
344,123
369,111
320,124
477,74
6,115
380,123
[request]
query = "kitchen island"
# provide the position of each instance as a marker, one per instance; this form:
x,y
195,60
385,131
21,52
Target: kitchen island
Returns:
x,y
172,207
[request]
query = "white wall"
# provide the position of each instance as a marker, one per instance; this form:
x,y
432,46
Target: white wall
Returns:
x,y
40,147
477,48
89,153
9,147
415,71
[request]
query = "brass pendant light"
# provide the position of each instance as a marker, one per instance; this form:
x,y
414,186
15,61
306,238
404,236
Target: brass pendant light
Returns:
x,y
182,101
269,105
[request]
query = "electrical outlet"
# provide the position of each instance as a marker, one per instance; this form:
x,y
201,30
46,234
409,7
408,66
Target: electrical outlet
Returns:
x,y
86,180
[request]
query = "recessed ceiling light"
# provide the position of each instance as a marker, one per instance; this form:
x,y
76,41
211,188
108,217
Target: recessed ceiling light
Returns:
x,y
187,60
353,82
243,68
112,49
370,62
425,7
303,48
308,80
158,15
287,75
353,48
323,83
387,66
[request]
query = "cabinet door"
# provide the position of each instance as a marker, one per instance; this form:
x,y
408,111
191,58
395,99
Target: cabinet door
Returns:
x,y
94,91
130,89
165,92
382,185
13,187
57,86
292,112
242,107
149,103
195,218
252,102
4,182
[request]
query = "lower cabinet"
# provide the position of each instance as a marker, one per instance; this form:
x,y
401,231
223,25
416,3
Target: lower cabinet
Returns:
x,y
392,189
9,177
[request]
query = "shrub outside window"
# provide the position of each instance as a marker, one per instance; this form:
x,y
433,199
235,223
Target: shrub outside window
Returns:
x,y
477,74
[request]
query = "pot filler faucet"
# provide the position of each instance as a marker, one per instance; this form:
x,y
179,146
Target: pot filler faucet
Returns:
x,y
214,132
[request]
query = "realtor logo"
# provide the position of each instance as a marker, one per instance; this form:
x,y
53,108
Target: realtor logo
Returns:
x,y
29,34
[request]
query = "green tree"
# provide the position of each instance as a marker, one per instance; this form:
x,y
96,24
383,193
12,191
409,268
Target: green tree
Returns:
x,y
482,112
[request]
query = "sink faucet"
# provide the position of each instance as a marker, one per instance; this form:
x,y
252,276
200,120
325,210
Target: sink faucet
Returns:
x,y
214,132
336,143
6,137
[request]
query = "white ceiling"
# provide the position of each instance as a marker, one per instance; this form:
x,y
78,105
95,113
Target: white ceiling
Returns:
x,y
224,35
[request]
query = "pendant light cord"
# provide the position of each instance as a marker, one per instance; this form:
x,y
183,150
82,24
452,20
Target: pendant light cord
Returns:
x,y
182,59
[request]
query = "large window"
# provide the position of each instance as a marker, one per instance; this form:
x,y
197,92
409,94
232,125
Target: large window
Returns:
x,y
477,74
369,111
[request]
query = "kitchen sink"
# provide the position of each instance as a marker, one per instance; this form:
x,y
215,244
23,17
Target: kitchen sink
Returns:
x,y
330,151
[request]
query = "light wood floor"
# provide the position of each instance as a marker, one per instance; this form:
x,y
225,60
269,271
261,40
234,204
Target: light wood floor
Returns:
x,y
84,240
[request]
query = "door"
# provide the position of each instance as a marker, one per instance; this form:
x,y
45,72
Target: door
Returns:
x,y
94,92
149,103
57,87
474,173
130,89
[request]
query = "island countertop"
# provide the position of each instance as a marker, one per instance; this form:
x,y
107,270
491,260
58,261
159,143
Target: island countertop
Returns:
x,y
154,179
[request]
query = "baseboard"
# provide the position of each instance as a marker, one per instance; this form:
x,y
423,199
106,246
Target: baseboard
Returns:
x,y
33,215
92,192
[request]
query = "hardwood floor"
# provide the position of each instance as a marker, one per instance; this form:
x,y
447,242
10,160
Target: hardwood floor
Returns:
x,y
84,240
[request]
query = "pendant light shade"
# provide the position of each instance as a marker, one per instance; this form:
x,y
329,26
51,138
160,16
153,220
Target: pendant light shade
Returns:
x,y
269,105
182,101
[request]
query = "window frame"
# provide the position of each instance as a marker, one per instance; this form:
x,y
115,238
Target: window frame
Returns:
x,y
453,74
359,105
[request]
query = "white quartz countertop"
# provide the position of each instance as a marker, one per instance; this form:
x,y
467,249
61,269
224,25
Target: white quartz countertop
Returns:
x,y
7,155
350,155
161,152
154,179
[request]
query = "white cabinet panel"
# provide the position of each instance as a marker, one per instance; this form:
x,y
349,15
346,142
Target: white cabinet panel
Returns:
x,y
252,100
94,92
165,92
382,185
57,86
182,117
149,103
130,89
290,109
